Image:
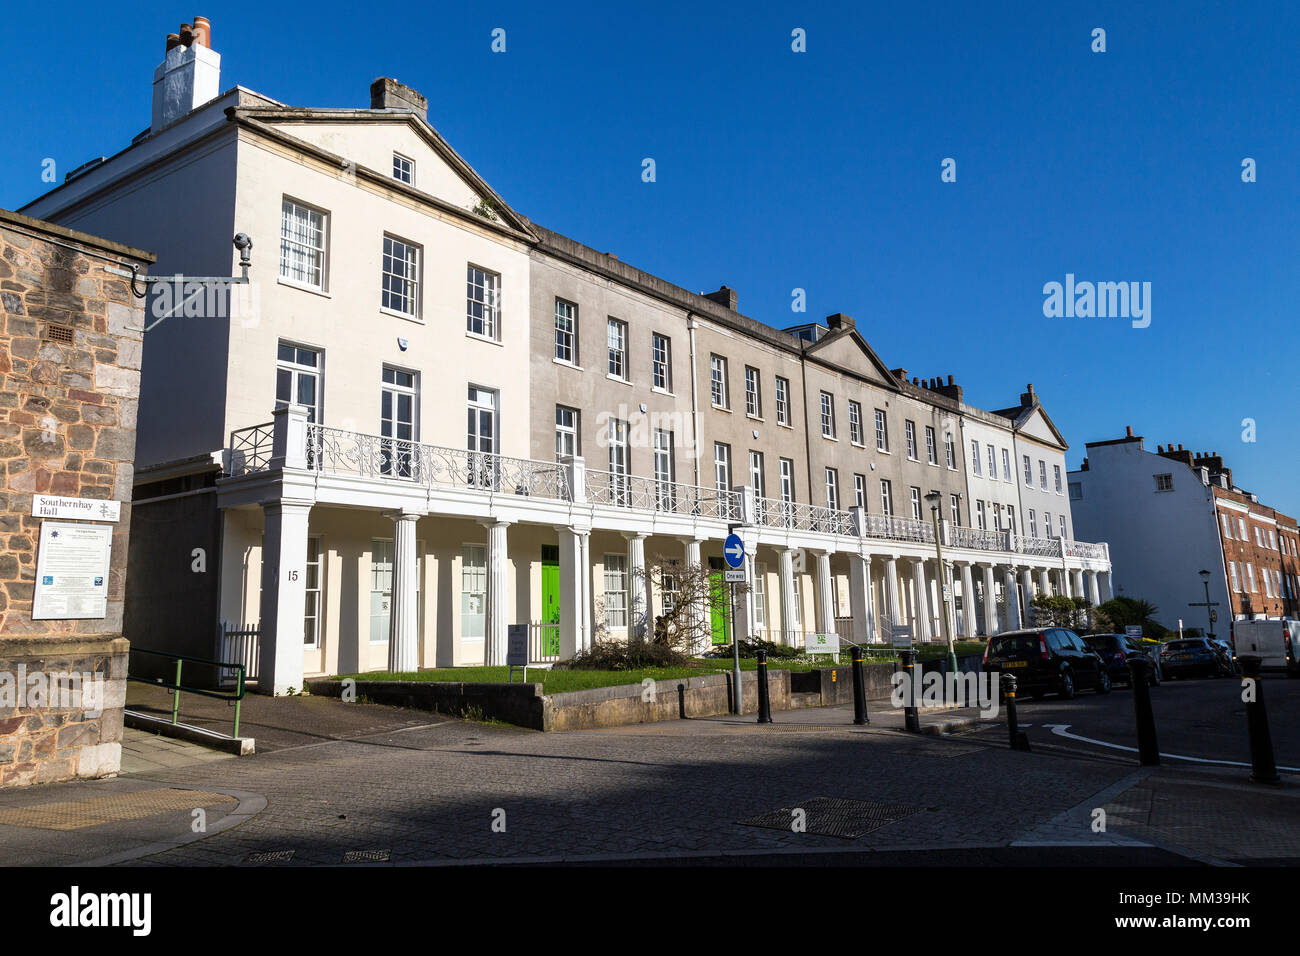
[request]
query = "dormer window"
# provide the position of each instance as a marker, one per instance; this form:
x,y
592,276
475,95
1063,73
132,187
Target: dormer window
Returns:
x,y
404,169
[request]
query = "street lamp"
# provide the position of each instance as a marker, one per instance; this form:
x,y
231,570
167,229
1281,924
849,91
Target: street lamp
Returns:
x,y
934,499
1209,610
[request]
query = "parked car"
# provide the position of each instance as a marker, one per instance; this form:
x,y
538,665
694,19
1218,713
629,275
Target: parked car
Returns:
x,y
1049,659
1274,642
1191,655
1118,649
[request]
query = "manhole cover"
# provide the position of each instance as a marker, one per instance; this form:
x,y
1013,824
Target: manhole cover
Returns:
x,y
831,816
366,856
273,856
944,749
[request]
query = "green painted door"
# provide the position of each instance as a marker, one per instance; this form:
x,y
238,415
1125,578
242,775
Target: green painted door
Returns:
x,y
551,599
720,612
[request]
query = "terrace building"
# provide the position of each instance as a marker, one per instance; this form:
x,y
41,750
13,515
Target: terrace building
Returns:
x,y
428,417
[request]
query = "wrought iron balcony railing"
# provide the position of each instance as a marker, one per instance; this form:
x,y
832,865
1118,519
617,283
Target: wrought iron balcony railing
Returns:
x,y
652,494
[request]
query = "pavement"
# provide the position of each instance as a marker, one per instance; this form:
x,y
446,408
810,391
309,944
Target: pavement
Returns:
x,y
336,783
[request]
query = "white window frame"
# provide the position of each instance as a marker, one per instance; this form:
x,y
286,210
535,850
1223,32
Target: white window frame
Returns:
x,y
782,401
615,592
909,439
403,169
721,466
616,346
931,446
753,393
411,256
661,362
304,247
718,381
855,422
1007,474
882,431
566,339
828,415
833,489
886,497
482,296
567,433
975,457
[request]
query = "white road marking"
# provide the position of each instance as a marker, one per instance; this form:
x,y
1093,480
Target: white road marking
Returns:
x,y
1063,730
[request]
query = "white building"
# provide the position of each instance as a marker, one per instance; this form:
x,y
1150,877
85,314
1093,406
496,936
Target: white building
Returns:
x,y
354,454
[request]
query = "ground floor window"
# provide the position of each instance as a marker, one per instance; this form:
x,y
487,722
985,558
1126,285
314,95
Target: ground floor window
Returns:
x,y
381,588
311,613
616,591
473,592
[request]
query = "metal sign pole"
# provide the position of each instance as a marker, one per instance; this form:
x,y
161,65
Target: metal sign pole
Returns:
x,y
735,648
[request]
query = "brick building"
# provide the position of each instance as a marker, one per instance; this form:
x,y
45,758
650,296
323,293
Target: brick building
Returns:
x,y
70,347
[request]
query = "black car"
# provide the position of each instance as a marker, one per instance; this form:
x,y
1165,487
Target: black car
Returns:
x,y
1192,655
1118,649
1047,659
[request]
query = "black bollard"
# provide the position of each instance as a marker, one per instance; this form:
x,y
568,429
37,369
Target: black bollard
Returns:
x,y
859,689
1262,767
1018,738
910,717
764,704
1148,748
681,701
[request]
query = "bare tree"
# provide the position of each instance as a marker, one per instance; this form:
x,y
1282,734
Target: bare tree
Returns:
x,y
688,594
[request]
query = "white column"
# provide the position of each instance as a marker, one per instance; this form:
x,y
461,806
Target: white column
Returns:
x,y
860,600
1094,593
969,626
699,613
284,596
893,606
921,602
1015,619
1077,590
990,602
825,594
1044,581
498,597
638,583
1106,594
572,592
584,547
403,617
788,627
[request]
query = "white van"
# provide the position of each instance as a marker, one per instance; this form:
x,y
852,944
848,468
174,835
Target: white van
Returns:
x,y
1275,643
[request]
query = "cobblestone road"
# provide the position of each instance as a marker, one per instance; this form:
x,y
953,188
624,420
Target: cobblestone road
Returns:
x,y
428,795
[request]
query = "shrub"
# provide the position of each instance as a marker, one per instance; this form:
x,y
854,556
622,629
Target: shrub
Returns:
x,y
626,656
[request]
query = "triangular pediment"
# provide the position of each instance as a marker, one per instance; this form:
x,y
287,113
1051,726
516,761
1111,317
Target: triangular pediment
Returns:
x,y
846,350
370,138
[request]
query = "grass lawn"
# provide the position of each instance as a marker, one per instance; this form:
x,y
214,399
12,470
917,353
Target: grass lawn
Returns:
x,y
560,681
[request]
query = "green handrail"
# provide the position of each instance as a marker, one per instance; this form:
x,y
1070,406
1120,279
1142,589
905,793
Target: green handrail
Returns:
x,y
235,699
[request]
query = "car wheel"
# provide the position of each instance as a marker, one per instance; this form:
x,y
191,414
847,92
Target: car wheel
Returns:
x,y
1103,683
1065,687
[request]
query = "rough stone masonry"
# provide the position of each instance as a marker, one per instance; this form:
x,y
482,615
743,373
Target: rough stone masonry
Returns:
x,y
69,389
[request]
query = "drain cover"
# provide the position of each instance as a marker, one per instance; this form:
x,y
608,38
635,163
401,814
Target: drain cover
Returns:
x,y
273,856
831,816
367,856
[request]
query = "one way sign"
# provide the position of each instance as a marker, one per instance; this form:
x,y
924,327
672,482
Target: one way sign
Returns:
x,y
733,549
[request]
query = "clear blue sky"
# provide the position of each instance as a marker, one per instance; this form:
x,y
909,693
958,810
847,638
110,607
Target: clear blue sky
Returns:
x,y
821,170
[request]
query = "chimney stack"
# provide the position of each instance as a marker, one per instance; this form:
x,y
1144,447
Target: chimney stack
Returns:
x,y
388,94
724,297
189,75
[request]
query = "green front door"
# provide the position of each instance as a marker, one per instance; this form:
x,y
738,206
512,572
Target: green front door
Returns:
x,y
719,609
550,600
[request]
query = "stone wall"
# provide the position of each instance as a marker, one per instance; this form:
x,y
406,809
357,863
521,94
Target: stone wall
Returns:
x,y
70,353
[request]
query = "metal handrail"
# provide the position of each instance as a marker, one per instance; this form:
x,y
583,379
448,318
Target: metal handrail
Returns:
x,y
175,687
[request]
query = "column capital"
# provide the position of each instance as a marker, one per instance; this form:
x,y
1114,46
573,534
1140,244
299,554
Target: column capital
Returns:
x,y
494,523
287,505
406,514
634,535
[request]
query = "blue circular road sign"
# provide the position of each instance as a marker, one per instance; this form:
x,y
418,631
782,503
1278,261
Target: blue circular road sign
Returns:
x,y
733,549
